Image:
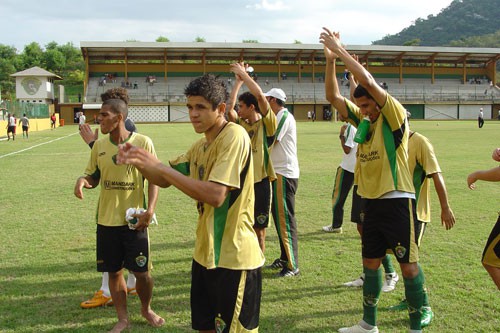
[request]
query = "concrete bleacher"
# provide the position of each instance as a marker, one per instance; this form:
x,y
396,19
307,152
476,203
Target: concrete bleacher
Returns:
x,y
306,91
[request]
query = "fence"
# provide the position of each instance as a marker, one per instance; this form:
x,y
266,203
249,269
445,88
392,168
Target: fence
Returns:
x,y
32,111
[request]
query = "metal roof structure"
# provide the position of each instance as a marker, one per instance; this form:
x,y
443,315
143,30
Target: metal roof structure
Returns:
x,y
36,71
133,51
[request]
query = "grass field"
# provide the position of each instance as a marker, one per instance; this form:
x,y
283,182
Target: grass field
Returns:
x,y
47,254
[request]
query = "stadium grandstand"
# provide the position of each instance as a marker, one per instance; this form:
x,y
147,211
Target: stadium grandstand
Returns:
x,y
432,82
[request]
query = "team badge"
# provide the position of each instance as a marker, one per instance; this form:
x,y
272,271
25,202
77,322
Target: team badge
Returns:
x,y
251,134
370,300
220,325
261,219
114,158
141,260
400,251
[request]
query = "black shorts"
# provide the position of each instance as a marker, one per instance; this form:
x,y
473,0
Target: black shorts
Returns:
x,y
491,253
262,203
120,247
25,128
11,129
224,298
390,224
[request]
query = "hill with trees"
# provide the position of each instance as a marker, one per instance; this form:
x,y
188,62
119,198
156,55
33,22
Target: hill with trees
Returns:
x,y
466,23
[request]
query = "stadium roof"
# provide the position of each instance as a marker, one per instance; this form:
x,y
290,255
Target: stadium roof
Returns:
x,y
283,52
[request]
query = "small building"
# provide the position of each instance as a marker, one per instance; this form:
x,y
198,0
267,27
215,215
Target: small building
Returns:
x,y
35,85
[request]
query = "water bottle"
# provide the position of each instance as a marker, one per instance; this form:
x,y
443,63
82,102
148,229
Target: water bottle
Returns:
x,y
363,128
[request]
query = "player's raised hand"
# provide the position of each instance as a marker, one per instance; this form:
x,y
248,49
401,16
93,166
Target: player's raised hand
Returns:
x,y
330,39
138,157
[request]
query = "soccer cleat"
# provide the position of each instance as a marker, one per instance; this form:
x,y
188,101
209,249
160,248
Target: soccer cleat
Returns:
x,y
278,264
390,282
358,329
356,283
403,305
329,228
427,316
97,300
287,272
131,291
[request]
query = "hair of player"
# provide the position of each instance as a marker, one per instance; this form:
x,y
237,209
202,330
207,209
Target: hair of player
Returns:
x,y
361,91
210,87
116,93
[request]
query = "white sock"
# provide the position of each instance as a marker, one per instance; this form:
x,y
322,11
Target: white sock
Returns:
x,y
105,284
130,280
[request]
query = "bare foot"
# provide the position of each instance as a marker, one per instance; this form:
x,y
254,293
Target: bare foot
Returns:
x,y
120,326
153,319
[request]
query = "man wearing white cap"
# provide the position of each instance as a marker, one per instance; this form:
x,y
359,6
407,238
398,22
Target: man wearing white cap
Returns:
x,y
286,166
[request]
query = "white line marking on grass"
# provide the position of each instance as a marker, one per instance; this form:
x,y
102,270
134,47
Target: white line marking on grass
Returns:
x,y
38,145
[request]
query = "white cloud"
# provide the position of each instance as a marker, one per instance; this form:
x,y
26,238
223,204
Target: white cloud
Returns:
x,y
270,6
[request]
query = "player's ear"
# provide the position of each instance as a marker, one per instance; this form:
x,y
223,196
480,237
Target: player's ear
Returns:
x,y
221,109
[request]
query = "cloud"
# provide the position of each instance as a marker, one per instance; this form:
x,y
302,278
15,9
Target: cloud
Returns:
x,y
269,6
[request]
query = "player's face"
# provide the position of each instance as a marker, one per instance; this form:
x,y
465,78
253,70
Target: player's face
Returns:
x,y
368,107
245,111
203,117
107,119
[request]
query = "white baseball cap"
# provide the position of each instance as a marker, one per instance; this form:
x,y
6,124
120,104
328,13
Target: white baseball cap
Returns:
x,y
276,93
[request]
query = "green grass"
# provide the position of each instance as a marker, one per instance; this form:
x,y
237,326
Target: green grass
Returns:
x,y
47,254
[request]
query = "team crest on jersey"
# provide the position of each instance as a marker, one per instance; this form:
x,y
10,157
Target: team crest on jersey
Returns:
x,y
201,172
400,251
251,133
141,260
261,219
114,158
220,325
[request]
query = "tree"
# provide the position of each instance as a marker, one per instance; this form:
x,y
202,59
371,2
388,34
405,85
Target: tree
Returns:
x,y
297,42
162,39
199,39
250,41
413,42
32,55
54,61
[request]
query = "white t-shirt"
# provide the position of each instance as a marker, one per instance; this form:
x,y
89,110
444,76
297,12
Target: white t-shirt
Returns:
x,y
82,119
349,160
284,149
12,121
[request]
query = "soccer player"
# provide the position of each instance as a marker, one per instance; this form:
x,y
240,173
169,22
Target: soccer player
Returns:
x,y
122,187
491,253
383,178
423,166
217,172
11,126
25,122
286,167
103,296
344,180
256,117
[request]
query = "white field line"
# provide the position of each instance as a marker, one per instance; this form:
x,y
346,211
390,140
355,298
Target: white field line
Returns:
x,y
38,145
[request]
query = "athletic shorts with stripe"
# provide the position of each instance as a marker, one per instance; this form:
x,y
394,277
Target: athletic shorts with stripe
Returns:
x,y
225,299
120,247
390,224
491,253
262,206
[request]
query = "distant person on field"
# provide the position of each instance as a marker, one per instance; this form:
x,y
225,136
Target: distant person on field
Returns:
x,y
25,122
480,118
118,246
491,253
11,126
53,121
82,119
256,117
217,172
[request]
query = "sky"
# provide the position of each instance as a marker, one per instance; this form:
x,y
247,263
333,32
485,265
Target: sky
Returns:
x,y
360,22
